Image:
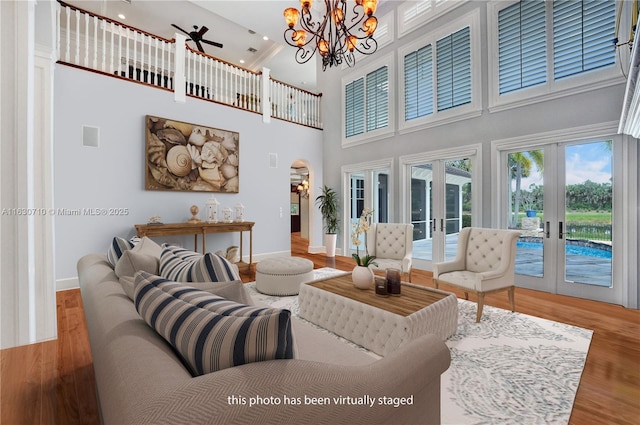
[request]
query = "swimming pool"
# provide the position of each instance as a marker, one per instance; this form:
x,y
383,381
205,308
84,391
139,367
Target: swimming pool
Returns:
x,y
570,249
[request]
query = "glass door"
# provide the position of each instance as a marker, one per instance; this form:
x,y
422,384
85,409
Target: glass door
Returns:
x,y
440,203
560,196
367,189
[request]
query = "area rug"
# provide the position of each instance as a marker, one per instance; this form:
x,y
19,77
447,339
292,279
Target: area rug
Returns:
x,y
510,368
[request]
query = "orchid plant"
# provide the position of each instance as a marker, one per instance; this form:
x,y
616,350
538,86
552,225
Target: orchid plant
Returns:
x,y
360,227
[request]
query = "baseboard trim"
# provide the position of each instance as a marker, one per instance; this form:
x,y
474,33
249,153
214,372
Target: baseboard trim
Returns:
x,y
69,283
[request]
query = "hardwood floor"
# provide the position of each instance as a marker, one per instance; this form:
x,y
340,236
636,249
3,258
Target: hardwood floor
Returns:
x,y
52,382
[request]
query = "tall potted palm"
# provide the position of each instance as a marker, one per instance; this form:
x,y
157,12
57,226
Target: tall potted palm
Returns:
x,y
327,202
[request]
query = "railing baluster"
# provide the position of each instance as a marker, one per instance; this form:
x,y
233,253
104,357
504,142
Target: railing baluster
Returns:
x,y
111,68
86,40
67,52
103,66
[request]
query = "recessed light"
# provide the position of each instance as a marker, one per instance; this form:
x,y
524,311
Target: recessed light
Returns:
x,y
265,38
121,16
241,60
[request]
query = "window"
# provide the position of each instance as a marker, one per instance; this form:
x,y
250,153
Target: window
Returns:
x,y
375,106
441,80
541,50
418,83
454,70
522,45
377,99
582,36
354,108
367,102
414,14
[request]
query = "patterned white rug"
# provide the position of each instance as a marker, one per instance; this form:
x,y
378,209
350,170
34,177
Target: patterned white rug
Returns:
x,y
510,368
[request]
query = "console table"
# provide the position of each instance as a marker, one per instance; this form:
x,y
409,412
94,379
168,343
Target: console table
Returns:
x,y
203,228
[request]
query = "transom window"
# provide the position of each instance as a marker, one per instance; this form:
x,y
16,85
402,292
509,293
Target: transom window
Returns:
x,y
540,43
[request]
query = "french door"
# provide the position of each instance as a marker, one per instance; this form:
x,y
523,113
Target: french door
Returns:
x,y
561,197
440,202
366,186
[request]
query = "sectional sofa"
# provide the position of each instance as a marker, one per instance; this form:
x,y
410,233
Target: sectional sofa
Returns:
x,y
141,378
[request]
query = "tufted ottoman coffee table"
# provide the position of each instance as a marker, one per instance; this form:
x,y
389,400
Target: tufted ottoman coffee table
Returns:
x,y
379,324
283,276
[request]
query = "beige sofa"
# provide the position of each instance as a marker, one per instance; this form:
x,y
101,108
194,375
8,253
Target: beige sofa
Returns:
x,y
140,379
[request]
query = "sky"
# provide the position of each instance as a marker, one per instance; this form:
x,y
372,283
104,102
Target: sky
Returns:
x,y
591,161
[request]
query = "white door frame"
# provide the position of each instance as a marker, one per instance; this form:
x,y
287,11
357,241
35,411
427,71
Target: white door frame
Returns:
x,y
625,154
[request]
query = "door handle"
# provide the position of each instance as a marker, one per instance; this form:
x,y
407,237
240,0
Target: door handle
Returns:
x,y
442,224
433,224
560,232
547,230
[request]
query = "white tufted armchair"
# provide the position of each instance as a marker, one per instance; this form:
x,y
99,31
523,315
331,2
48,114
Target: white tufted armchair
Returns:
x,y
484,263
392,245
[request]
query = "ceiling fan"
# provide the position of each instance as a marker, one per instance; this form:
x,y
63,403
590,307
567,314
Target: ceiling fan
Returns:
x,y
196,36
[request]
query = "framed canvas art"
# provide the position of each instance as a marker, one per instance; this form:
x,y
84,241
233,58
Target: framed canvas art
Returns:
x,y
190,157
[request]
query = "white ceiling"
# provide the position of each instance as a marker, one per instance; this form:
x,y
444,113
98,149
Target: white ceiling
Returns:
x,y
229,23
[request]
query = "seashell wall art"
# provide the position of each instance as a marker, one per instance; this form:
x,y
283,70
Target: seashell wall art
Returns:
x,y
189,157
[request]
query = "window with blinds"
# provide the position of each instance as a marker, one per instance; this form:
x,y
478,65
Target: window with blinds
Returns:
x,y
522,47
377,104
366,103
583,32
354,108
418,83
453,70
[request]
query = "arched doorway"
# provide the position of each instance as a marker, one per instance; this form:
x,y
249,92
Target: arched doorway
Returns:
x,y
301,202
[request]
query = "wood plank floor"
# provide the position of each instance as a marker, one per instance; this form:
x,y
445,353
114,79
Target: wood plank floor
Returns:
x,y
52,382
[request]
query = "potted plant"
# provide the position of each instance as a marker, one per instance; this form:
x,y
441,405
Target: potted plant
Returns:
x,y
328,204
362,275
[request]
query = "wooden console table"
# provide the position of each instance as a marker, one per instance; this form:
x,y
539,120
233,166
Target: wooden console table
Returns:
x,y
203,228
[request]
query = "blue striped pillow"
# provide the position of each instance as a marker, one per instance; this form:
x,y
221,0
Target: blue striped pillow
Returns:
x,y
117,248
212,338
181,265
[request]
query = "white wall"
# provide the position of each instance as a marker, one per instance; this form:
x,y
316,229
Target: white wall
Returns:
x,y
112,175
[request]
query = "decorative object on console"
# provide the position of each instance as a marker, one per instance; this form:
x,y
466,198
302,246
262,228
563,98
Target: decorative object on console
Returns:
x,y
194,215
227,215
189,157
335,36
230,254
212,210
155,219
239,212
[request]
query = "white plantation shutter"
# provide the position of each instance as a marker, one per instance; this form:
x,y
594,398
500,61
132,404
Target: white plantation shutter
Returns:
x,y
418,83
377,99
583,33
354,108
522,45
453,69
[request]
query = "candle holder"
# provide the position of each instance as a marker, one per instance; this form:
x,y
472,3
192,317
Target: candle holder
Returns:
x,y
393,281
212,210
381,286
239,212
227,213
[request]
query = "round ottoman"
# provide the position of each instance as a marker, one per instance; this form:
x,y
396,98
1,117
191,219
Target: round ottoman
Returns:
x,y
283,276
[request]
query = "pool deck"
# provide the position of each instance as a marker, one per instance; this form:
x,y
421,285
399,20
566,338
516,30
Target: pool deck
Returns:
x,y
529,261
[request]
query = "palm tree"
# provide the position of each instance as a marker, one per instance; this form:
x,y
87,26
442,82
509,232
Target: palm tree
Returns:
x,y
520,165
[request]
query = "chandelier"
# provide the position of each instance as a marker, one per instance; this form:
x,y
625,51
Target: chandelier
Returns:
x,y
336,36
303,188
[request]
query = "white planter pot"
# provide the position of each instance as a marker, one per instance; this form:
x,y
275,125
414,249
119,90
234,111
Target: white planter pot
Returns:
x,y
330,244
362,277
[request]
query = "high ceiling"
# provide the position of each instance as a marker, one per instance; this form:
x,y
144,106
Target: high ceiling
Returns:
x,y
240,26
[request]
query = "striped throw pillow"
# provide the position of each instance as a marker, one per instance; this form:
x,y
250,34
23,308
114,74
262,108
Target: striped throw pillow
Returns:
x,y
181,265
207,340
117,248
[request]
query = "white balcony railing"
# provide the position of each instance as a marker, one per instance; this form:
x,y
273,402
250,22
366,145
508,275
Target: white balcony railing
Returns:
x,y
96,43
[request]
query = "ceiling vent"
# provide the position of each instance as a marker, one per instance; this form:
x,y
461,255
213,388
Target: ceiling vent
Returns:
x,y
252,50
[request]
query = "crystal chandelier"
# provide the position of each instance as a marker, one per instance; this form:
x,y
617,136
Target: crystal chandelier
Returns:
x,y
336,36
